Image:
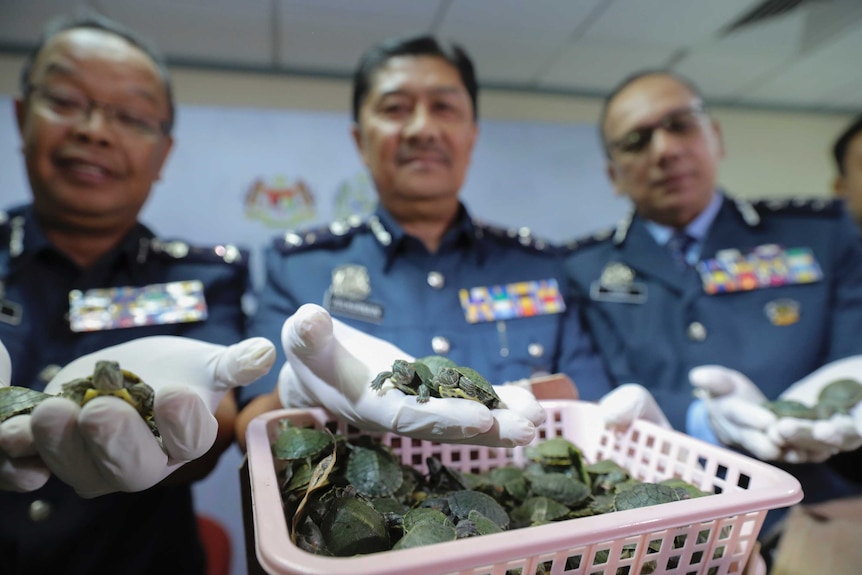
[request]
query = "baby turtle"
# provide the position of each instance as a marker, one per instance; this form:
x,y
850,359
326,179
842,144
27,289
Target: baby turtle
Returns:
x,y
408,376
107,379
463,382
839,396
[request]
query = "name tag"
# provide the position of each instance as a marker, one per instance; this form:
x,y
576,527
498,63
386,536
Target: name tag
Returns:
x,y
764,267
511,301
122,307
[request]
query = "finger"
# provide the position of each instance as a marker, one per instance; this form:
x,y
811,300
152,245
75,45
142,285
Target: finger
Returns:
x,y
242,363
522,402
16,437
5,367
508,430
56,436
713,379
838,432
127,455
22,474
746,414
186,426
440,420
291,393
759,445
318,354
628,402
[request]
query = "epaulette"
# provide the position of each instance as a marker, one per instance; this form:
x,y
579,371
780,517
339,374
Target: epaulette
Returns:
x,y
334,234
180,250
599,237
829,207
516,236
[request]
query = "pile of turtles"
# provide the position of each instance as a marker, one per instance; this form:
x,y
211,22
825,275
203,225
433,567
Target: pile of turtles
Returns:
x,y
838,397
344,498
438,376
107,379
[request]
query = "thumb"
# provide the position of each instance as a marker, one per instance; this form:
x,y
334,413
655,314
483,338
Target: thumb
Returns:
x,y
310,345
714,380
241,363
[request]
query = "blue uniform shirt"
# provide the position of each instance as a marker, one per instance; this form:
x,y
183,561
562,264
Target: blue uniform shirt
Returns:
x,y
374,277
52,530
654,321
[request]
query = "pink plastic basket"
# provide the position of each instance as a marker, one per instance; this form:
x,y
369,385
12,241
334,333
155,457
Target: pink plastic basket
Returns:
x,y
666,536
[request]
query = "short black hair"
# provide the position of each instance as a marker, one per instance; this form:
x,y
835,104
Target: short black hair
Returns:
x,y
87,18
839,149
631,79
377,56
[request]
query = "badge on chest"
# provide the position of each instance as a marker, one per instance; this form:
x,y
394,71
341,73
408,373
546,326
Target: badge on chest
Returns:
x,y
765,266
511,301
122,307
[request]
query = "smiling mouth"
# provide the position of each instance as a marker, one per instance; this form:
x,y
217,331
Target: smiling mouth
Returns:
x,y
83,169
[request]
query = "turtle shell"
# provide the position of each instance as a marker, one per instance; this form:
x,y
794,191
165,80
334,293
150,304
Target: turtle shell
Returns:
x,y
16,400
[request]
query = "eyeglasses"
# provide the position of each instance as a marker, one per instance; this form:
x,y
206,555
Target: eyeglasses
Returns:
x,y
683,123
71,107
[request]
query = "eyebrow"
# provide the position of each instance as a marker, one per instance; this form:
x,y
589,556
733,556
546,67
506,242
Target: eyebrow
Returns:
x,y
438,90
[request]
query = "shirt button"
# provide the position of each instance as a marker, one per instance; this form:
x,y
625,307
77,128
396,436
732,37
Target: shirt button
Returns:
x,y
536,350
39,510
436,280
696,331
440,344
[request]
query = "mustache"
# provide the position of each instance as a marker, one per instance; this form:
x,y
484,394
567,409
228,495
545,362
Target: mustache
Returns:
x,y
407,153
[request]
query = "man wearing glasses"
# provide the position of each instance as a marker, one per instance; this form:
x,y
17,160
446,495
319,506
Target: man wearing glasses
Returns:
x,y
78,275
771,291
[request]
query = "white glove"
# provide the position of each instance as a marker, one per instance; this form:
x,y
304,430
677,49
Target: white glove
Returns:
x,y
20,466
841,432
628,402
106,446
331,365
736,413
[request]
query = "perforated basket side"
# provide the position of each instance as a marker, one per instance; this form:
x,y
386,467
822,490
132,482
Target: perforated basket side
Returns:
x,y
712,535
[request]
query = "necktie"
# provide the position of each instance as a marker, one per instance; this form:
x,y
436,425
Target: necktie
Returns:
x,y
679,244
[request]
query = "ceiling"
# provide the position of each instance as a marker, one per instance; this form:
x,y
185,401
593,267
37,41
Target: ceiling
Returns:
x,y
804,57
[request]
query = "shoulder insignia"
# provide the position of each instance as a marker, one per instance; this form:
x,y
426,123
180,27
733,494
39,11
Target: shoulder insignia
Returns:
x,y
599,237
180,250
814,206
522,236
339,232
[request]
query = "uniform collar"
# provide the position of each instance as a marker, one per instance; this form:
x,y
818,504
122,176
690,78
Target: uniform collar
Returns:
x,y
394,240
698,228
27,240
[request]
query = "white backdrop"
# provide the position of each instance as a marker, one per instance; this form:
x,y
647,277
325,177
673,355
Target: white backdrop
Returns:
x,y
549,177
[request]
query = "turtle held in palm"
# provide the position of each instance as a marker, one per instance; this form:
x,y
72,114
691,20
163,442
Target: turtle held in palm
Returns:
x,y
437,376
107,379
463,382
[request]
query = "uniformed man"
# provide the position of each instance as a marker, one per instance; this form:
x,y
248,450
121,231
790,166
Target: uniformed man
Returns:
x,y
770,290
847,152
421,272
79,273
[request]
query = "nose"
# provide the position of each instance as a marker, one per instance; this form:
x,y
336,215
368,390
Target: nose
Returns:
x,y
664,144
421,124
94,126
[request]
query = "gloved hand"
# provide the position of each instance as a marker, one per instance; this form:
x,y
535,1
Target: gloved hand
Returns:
x,y
628,402
734,406
21,469
841,432
331,365
105,446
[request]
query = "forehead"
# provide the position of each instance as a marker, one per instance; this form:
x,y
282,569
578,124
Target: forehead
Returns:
x,y
416,74
646,100
99,57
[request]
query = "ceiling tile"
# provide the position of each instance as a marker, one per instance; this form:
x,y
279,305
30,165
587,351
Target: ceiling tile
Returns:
x,y
330,35
666,22
597,66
